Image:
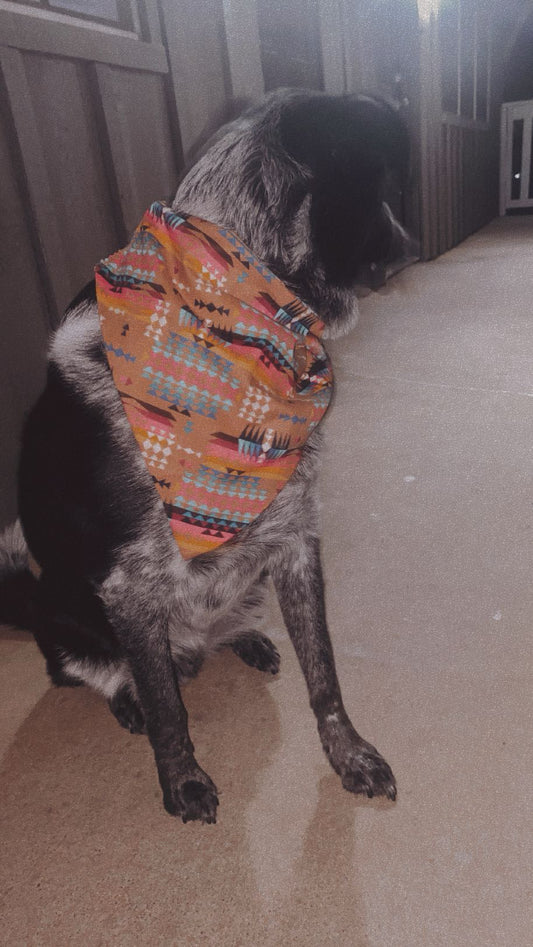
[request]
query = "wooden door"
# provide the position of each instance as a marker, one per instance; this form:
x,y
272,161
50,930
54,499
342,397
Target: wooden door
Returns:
x,y
88,138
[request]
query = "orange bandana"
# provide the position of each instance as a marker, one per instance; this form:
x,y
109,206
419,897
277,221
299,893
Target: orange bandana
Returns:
x,y
219,367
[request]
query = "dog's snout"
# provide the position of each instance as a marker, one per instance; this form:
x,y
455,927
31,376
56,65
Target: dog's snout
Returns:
x,y
390,250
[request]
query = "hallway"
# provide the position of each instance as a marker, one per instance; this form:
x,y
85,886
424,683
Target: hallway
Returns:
x,y
427,522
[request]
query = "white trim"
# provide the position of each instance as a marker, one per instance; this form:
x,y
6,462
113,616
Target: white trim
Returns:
x,y
527,102
450,118
511,112
525,169
78,39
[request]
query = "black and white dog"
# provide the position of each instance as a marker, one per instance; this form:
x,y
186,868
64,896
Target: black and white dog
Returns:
x,y
300,179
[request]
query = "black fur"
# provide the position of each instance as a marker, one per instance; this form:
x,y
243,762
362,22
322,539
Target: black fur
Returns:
x,y
349,229
301,180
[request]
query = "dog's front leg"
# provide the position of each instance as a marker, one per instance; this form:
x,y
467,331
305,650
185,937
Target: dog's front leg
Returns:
x,y
187,790
138,605
299,584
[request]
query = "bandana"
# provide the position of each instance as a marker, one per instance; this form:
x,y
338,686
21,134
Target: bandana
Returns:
x,y
219,367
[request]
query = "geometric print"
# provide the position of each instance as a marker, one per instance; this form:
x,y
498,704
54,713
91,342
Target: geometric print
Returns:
x,y
210,281
255,404
183,396
193,354
157,448
220,369
226,484
158,320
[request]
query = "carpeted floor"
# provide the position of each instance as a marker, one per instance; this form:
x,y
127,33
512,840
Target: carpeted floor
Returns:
x,y
428,554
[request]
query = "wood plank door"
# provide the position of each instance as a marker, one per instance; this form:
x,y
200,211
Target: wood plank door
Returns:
x,y
88,138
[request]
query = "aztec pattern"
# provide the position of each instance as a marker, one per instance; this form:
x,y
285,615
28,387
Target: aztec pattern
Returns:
x,y
219,367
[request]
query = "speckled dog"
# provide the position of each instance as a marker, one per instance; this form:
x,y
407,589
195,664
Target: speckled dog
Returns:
x,y
300,179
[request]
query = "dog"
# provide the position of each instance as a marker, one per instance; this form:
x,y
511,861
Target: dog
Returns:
x,y
300,180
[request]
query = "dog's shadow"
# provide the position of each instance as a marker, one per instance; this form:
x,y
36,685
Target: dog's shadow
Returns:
x,y
72,746
82,813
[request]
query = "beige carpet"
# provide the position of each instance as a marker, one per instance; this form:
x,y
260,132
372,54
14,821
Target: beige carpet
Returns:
x,y
427,550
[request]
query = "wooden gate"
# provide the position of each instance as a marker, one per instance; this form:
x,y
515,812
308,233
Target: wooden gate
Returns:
x,y
90,137
516,156
87,137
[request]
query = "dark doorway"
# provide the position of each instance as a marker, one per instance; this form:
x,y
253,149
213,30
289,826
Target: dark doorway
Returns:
x,y
519,81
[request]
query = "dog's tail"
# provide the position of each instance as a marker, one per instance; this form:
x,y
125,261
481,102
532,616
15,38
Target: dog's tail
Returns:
x,y
18,585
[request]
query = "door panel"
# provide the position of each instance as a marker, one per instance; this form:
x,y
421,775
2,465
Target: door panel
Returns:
x,y
516,184
89,139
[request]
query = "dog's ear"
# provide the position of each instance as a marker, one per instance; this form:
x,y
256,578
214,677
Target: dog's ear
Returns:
x,y
318,130
347,144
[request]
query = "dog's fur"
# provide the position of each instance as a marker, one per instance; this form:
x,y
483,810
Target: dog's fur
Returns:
x,y
300,179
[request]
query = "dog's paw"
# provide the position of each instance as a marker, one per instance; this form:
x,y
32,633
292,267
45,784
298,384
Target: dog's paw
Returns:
x,y
187,665
368,773
258,652
127,711
361,768
192,797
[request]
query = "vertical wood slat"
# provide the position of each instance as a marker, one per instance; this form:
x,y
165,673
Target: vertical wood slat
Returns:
x,y
54,270
505,163
197,53
461,199
244,52
425,140
432,158
120,160
466,195
459,175
475,172
472,180
358,52
479,174
141,161
438,176
149,12
333,39
450,186
24,319
471,183
73,156
444,188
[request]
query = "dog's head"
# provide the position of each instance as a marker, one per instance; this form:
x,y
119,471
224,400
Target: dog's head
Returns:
x,y
301,178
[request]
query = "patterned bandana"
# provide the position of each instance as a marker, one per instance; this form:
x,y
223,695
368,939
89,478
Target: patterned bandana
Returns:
x,y
219,367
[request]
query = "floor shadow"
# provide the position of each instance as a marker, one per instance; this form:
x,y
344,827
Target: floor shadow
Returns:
x,y
9,633
91,857
324,900
88,848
